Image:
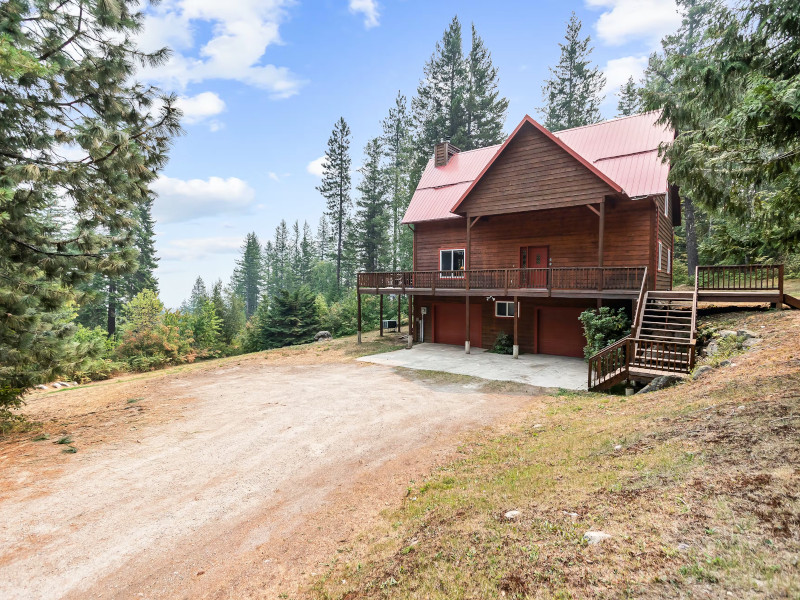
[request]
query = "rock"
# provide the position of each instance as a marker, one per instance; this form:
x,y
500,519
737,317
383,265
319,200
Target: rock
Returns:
x,y
683,547
750,342
727,333
73,383
660,383
41,387
711,348
702,371
595,537
725,363
59,384
571,515
746,334
538,426
618,447
512,515
740,407
322,336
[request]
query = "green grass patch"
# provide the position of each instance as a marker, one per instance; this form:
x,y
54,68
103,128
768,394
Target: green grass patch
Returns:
x,y
64,440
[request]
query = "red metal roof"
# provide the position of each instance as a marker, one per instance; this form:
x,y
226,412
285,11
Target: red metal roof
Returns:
x,y
622,152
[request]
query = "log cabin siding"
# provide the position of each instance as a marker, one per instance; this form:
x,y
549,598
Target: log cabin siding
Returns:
x,y
533,173
666,237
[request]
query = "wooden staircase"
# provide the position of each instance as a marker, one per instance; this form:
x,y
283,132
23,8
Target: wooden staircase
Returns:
x,y
664,336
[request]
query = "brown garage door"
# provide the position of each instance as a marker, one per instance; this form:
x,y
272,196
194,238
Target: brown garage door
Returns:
x,y
560,332
449,323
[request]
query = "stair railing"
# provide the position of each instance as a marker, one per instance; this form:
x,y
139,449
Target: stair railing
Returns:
x,y
640,305
610,363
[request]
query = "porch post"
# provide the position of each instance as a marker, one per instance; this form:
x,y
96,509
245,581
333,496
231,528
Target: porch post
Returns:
x,y
466,342
600,243
410,323
399,314
358,293
516,328
380,313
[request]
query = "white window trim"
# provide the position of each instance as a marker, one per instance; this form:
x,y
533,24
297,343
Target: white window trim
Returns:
x,y
669,260
666,204
506,302
660,255
440,263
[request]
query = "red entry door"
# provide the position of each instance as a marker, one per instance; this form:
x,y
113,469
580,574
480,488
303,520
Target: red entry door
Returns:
x,y
534,257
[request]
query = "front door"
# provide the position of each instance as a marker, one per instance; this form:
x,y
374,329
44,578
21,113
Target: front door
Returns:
x,y
533,257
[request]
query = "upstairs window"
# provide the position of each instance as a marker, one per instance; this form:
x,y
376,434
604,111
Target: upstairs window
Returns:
x,y
666,204
669,260
503,308
451,260
660,256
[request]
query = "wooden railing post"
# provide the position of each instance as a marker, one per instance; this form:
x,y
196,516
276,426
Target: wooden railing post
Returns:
x,y
779,304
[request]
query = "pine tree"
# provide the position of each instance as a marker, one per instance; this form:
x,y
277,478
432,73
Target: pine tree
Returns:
x,y
291,318
335,188
306,258
323,238
280,261
248,279
572,95
485,108
371,222
397,147
67,79
198,296
438,107
630,101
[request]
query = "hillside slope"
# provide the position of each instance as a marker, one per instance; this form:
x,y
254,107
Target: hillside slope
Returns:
x,y
698,487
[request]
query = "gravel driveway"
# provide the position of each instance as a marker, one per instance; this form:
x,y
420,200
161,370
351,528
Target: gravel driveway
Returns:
x,y
202,504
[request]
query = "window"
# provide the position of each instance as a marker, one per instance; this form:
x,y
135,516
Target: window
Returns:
x,y
660,256
669,260
503,308
666,204
451,260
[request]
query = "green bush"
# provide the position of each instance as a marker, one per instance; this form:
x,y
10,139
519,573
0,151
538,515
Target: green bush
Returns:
x,y
603,327
503,344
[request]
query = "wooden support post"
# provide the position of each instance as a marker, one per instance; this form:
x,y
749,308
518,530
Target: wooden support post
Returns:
x,y
410,321
516,327
399,314
466,342
380,314
600,244
780,287
358,293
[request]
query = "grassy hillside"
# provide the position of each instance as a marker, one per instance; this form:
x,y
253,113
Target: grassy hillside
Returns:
x,y
698,487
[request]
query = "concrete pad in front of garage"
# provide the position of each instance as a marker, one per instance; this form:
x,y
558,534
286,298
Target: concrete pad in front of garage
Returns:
x,y
541,370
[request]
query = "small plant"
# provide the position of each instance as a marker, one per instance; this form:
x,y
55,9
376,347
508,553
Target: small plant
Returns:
x,y
132,400
602,327
64,440
503,344
69,450
41,437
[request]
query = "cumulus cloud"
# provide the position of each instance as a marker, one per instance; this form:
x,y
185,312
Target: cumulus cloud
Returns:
x,y
185,200
623,21
199,248
618,70
368,8
315,166
241,33
200,107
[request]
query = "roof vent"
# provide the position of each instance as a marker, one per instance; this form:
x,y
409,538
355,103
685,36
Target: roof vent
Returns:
x,y
442,153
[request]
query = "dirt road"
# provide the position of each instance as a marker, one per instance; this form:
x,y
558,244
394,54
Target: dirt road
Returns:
x,y
241,480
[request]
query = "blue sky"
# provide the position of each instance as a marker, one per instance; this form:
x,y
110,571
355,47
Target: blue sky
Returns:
x,y
262,82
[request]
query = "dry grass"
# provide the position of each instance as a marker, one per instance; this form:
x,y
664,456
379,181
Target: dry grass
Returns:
x,y
698,486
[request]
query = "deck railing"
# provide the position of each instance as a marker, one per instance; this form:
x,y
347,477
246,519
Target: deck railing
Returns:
x,y
612,364
740,277
556,278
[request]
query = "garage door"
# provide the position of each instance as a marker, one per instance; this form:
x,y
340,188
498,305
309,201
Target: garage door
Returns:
x,y
560,332
449,324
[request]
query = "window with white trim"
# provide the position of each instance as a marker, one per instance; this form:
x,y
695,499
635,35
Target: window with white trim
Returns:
x,y
660,255
669,260
451,260
504,308
666,204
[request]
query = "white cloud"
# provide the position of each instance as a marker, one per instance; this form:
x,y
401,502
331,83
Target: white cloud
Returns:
x,y
369,8
315,166
241,33
626,20
184,200
200,107
274,176
618,70
199,248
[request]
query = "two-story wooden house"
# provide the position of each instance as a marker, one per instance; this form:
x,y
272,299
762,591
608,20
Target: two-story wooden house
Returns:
x,y
522,237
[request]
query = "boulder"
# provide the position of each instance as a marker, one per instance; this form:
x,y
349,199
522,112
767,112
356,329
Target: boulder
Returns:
x,y
702,371
41,387
727,333
711,348
746,334
660,383
595,537
322,336
512,515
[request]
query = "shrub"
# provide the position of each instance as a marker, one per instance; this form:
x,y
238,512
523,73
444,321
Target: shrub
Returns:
x,y
602,327
503,344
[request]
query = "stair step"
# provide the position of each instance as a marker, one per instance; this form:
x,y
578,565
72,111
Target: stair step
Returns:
x,y
675,333
659,338
677,311
675,324
666,295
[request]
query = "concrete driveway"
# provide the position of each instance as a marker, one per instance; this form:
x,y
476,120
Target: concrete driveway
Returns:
x,y
540,370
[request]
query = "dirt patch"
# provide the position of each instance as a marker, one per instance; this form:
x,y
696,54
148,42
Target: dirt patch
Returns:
x,y
232,479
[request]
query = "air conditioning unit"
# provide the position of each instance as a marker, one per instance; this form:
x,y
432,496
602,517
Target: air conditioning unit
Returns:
x,y
390,324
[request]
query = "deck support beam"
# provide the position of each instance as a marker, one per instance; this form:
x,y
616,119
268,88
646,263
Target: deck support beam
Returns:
x,y
410,322
380,314
399,313
516,327
358,294
466,342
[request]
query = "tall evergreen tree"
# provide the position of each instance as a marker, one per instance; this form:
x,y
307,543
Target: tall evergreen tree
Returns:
x,y
306,256
289,318
67,80
662,81
572,94
280,261
484,107
248,279
335,188
198,296
630,101
397,147
323,238
371,221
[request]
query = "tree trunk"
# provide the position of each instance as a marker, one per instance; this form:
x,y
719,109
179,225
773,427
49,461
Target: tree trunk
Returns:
x,y
111,323
692,258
